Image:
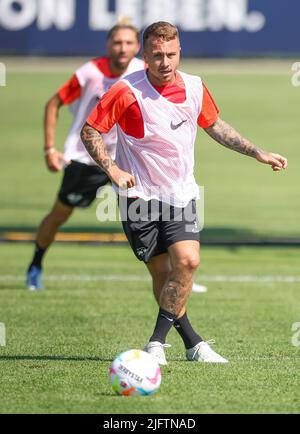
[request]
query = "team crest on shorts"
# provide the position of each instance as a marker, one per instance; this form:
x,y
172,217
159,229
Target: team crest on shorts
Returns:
x,y
195,228
74,198
141,251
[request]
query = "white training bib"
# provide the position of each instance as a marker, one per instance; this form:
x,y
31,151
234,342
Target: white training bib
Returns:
x,y
162,162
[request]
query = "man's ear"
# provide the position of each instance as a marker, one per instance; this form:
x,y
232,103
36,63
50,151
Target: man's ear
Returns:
x,y
138,49
107,47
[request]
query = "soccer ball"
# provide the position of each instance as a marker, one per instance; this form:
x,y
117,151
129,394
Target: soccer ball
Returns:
x,y
135,373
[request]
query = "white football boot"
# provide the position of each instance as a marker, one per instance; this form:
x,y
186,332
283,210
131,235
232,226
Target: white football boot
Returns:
x,y
203,353
156,349
198,288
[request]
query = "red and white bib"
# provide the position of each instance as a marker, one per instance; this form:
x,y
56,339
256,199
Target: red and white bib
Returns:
x,y
163,160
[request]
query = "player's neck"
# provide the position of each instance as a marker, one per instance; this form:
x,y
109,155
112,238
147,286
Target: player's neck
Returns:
x,y
116,70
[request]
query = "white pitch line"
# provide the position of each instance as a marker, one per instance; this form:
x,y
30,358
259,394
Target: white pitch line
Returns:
x,y
135,278
262,359
254,279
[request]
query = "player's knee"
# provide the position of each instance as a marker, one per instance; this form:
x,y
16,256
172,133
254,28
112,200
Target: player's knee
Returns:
x,y
189,262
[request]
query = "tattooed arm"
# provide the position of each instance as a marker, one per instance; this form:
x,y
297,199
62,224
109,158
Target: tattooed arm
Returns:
x,y
95,146
224,134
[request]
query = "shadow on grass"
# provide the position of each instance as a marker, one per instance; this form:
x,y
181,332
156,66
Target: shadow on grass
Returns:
x,y
13,286
213,235
57,358
107,227
98,228
223,232
71,358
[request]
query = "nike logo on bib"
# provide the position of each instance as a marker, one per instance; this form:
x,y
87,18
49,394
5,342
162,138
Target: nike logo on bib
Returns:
x,y
174,127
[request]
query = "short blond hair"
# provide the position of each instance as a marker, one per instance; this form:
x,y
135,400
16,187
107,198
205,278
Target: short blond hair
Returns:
x,y
161,30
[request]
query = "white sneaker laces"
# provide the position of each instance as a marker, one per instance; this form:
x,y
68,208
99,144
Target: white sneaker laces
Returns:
x,y
166,345
209,342
160,345
163,345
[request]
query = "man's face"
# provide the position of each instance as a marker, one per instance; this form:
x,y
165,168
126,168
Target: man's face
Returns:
x,y
163,59
122,47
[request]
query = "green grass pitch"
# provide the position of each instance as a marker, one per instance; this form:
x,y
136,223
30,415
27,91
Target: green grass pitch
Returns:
x,y
242,197
98,302
60,342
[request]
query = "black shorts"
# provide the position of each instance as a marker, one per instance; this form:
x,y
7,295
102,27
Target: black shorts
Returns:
x,y
80,184
151,227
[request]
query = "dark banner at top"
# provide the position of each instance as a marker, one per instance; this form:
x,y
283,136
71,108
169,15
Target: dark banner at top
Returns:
x,y
208,27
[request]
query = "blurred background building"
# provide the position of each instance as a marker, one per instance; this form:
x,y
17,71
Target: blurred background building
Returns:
x,y
212,28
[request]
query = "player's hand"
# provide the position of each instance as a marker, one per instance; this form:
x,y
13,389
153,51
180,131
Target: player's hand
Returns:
x,y
276,161
55,161
121,178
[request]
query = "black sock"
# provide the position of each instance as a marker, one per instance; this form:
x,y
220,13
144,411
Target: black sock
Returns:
x,y
38,256
186,331
165,321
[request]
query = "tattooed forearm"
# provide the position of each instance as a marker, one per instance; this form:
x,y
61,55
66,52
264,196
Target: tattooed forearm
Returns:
x,y
95,146
227,136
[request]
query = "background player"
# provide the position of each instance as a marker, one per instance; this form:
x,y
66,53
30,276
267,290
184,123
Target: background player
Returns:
x,y
82,177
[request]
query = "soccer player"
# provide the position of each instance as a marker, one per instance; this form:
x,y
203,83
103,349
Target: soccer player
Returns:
x,y
156,112
82,177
